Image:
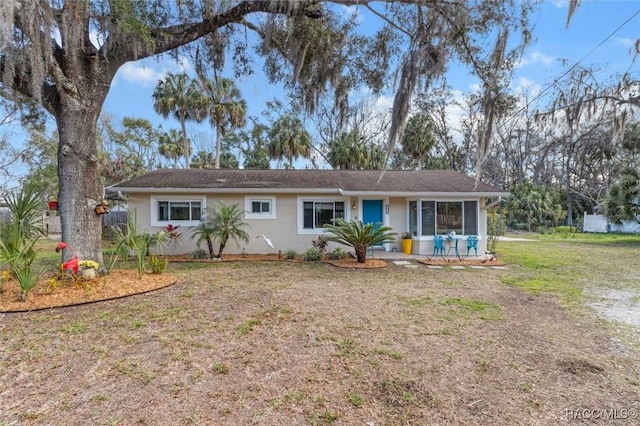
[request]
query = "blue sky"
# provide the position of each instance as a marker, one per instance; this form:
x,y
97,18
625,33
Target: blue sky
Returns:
x,y
554,50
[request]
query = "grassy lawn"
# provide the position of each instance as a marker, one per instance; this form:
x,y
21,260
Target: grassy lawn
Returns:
x,y
275,343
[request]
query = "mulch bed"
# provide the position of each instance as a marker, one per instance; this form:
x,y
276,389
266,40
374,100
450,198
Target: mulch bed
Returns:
x,y
119,283
349,262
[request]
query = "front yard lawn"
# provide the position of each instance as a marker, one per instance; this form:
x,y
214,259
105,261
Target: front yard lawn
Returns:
x,y
303,343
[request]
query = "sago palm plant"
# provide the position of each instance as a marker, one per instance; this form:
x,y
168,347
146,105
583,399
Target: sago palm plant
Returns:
x,y
354,233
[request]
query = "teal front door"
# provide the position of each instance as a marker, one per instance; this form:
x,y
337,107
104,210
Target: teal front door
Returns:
x,y
372,211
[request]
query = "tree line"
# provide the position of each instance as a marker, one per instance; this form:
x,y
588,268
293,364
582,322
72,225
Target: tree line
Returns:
x,y
62,57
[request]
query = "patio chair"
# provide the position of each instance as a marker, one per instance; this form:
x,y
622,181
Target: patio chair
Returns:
x,y
472,243
438,245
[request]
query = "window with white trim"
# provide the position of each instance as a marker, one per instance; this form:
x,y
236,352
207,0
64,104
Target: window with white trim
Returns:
x,y
187,211
260,207
316,214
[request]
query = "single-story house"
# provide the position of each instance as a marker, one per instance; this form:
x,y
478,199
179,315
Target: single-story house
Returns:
x,y
291,206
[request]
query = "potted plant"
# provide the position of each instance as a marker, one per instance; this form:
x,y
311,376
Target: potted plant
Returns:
x,y
88,269
406,242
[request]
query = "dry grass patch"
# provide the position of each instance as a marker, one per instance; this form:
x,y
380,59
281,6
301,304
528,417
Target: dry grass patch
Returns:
x,y
275,343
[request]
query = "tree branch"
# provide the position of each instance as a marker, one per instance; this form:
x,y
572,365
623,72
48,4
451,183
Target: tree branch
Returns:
x,y
170,38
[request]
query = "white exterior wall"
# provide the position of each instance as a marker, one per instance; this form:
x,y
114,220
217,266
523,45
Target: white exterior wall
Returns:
x,y
283,229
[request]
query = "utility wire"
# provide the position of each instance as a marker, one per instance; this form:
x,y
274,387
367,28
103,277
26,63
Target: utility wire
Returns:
x,y
572,67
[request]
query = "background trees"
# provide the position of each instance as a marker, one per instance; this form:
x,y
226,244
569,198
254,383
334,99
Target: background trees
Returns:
x,y
313,48
623,200
350,151
179,96
288,140
225,107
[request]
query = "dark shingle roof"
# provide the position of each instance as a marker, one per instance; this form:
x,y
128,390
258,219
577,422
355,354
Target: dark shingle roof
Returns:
x,y
405,181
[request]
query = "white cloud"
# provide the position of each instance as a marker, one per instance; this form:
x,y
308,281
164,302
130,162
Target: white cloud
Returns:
x,y
138,73
536,58
384,103
525,85
147,72
626,42
348,11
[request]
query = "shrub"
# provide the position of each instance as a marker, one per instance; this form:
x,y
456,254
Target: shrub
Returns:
x,y
19,235
158,264
198,254
495,227
320,243
338,254
26,279
566,229
314,254
131,240
174,237
290,254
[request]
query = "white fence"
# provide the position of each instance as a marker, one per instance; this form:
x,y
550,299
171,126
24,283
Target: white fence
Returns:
x,y
599,223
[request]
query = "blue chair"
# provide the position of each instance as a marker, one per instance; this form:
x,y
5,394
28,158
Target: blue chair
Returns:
x,y
438,245
472,243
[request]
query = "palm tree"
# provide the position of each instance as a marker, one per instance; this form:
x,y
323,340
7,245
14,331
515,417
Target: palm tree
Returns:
x,y
204,232
178,96
289,140
227,222
170,146
360,236
203,160
349,151
418,138
225,108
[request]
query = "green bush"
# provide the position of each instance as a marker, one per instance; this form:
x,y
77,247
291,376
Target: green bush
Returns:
x,y
290,254
566,229
314,254
158,264
338,254
198,254
19,235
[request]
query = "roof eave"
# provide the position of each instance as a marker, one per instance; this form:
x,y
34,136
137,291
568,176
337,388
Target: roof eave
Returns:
x,y
336,191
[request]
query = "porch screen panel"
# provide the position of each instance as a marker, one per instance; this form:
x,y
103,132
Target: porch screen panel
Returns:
x,y
428,217
471,217
449,217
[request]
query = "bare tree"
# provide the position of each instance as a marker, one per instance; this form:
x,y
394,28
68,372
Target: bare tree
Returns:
x,y
576,112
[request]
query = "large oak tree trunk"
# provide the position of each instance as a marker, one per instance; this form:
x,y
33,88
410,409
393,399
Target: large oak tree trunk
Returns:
x,y
81,189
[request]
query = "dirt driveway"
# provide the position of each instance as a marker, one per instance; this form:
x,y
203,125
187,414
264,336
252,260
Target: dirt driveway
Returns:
x,y
310,344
